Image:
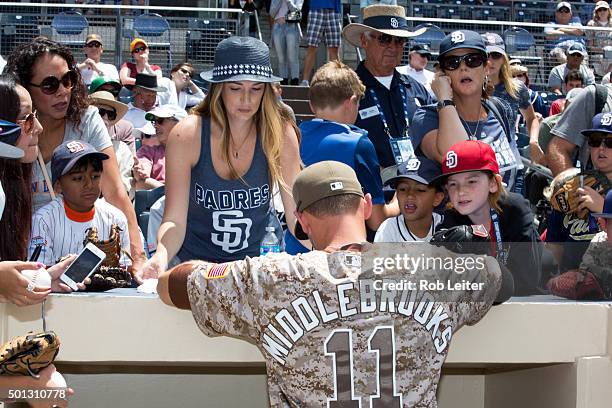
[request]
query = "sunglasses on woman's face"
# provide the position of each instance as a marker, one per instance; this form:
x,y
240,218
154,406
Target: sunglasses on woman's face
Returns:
x,y
139,49
184,71
472,60
51,84
94,45
596,141
385,40
111,114
27,123
495,55
519,76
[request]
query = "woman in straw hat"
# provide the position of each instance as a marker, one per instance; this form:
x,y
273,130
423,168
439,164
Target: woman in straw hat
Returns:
x,y
223,161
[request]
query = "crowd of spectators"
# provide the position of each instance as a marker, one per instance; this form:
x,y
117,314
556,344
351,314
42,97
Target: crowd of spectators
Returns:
x,y
448,143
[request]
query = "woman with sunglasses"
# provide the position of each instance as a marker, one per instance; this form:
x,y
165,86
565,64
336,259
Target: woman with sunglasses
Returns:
x,y
515,93
600,41
140,52
223,160
463,111
19,133
182,91
46,69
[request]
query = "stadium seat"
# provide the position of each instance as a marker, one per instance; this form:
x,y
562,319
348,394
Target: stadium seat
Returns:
x,y
16,30
143,200
155,30
203,37
518,39
69,28
432,36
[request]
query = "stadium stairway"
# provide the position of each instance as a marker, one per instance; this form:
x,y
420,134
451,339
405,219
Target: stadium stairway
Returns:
x,y
297,98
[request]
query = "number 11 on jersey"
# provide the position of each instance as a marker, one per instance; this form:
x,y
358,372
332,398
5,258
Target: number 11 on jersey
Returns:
x,y
339,346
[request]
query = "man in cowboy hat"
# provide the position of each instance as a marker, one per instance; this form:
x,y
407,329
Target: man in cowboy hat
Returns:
x,y
391,98
144,98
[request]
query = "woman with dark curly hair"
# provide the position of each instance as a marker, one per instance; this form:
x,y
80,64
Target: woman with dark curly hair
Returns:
x,y
47,70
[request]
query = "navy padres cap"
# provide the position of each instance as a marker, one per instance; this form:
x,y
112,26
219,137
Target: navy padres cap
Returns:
x,y
494,43
421,49
462,39
9,133
67,154
602,122
420,169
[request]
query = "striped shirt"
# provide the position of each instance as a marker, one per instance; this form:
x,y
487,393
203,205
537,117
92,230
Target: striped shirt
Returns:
x,y
61,235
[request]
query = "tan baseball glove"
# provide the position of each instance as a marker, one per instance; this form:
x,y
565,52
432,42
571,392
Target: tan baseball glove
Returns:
x,y
29,354
111,274
562,192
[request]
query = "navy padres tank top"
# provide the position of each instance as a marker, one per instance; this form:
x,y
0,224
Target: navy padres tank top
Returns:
x,y
226,219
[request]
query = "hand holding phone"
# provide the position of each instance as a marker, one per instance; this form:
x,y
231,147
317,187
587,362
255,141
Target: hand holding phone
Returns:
x,y
86,263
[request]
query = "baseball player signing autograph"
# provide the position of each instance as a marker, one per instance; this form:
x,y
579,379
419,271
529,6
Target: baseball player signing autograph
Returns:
x,y
329,338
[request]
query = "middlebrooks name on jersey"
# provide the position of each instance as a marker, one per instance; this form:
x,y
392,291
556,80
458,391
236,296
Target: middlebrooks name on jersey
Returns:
x,y
279,338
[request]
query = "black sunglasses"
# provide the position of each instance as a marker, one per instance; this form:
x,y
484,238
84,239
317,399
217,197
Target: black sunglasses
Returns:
x,y
564,10
596,141
110,113
158,121
386,39
140,49
94,44
51,84
184,71
472,60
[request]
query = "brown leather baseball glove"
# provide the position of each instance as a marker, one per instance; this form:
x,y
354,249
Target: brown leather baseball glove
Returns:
x,y
111,274
29,354
562,192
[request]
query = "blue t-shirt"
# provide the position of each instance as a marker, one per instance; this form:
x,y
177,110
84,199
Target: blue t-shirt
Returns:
x,y
326,140
521,101
326,4
489,131
568,228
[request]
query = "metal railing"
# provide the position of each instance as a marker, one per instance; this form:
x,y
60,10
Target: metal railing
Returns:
x,y
192,35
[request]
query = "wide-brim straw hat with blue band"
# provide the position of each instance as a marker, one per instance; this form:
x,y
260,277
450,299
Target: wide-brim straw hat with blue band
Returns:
x,y
241,59
382,18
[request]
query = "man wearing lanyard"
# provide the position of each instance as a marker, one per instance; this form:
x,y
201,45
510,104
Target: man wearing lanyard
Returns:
x,y
391,98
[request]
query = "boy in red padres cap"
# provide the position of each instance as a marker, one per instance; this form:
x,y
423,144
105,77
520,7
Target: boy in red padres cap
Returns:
x,y
470,174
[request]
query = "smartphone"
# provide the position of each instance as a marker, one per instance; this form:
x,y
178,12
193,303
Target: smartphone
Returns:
x,y
85,264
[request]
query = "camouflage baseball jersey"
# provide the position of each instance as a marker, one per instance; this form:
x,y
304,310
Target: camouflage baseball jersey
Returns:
x,y
329,337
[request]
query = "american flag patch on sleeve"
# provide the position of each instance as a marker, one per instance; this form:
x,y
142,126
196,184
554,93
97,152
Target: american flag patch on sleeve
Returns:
x,y
216,271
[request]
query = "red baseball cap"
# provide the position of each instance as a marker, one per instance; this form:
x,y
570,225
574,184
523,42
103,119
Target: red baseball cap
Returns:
x,y
469,155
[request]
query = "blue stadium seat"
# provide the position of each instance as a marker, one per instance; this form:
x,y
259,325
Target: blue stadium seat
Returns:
x,y
155,30
70,28
432,36
518,39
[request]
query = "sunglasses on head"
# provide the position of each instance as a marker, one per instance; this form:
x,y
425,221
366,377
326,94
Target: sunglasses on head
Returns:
x,y
140,49
94,44
472,60
51,84
386,39
28,122
110,113
184,71
596,141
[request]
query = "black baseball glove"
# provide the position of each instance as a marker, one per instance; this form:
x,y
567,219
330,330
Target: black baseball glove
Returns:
x,y
464,239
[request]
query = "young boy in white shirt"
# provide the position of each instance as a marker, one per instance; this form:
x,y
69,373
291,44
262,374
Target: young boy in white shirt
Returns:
x,y
61,225
417,197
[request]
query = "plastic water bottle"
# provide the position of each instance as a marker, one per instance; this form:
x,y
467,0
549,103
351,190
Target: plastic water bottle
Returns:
x,y
270,242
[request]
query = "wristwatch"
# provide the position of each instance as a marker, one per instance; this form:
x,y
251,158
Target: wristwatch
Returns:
x,y
445,103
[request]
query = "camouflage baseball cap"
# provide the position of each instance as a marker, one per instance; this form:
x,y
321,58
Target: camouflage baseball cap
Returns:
x,y
322,180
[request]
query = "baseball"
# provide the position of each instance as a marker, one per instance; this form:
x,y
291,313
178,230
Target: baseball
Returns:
x,y
39,277
58,380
